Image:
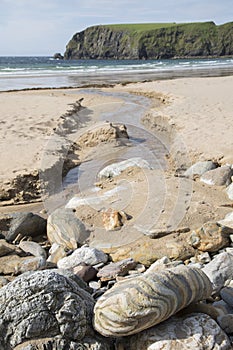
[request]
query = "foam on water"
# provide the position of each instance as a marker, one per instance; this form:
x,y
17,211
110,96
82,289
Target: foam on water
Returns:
x,y
42,72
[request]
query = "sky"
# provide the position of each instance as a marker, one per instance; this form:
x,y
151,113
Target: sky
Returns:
x,y
43,27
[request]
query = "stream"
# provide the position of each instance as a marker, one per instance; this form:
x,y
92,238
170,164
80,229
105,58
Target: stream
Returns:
x,y
142,143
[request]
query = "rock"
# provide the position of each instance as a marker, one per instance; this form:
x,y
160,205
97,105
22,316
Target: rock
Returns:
x,y
26,224
227,221
195,331
56,252
103,133
117,168
6,248
211,237
87,255
95,201
112,219
219,270
86,272
162,264
5,221
222,307
229,191
135,304
14,265
95,343
58,56
161,232
43,304
33,248
138,269
226,323
200,168
65,229
113,270
219,177
175,246
204,258
3,281
227,295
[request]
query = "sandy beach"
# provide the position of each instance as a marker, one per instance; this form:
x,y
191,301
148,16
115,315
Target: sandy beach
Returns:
x,y
194,114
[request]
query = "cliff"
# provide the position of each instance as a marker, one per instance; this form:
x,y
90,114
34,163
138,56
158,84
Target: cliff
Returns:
x,y
151,41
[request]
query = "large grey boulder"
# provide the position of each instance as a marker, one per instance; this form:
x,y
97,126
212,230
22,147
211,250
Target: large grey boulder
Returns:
x,y
135,304
43,304
65,229
117,168
200,168
192,332
26,224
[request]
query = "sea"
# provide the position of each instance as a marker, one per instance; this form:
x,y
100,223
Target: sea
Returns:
x,y
17,73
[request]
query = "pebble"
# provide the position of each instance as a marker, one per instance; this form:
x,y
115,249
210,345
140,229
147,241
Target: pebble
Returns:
x,y
86,272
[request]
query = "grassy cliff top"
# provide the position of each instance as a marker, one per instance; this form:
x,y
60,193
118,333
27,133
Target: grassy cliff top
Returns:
x,y
142,27
139,27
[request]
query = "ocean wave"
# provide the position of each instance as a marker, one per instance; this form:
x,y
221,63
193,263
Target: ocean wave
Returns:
x,y
46,68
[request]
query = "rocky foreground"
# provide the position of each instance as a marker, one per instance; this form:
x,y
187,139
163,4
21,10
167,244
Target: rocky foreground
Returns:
x,y
170,289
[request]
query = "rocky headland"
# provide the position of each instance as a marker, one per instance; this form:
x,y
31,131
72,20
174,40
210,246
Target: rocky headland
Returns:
x,y
152,41
137,251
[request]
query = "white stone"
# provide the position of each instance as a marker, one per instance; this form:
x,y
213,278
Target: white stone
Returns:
x,y
90,256
117,168
76,202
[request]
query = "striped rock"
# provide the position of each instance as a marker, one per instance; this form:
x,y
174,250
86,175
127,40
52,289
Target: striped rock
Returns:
x,y
133,305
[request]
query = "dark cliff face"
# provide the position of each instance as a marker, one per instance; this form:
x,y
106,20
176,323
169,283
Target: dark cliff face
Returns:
x,y
101,43
178,40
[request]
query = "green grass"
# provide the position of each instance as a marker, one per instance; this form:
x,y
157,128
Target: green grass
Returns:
x,y
139,27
